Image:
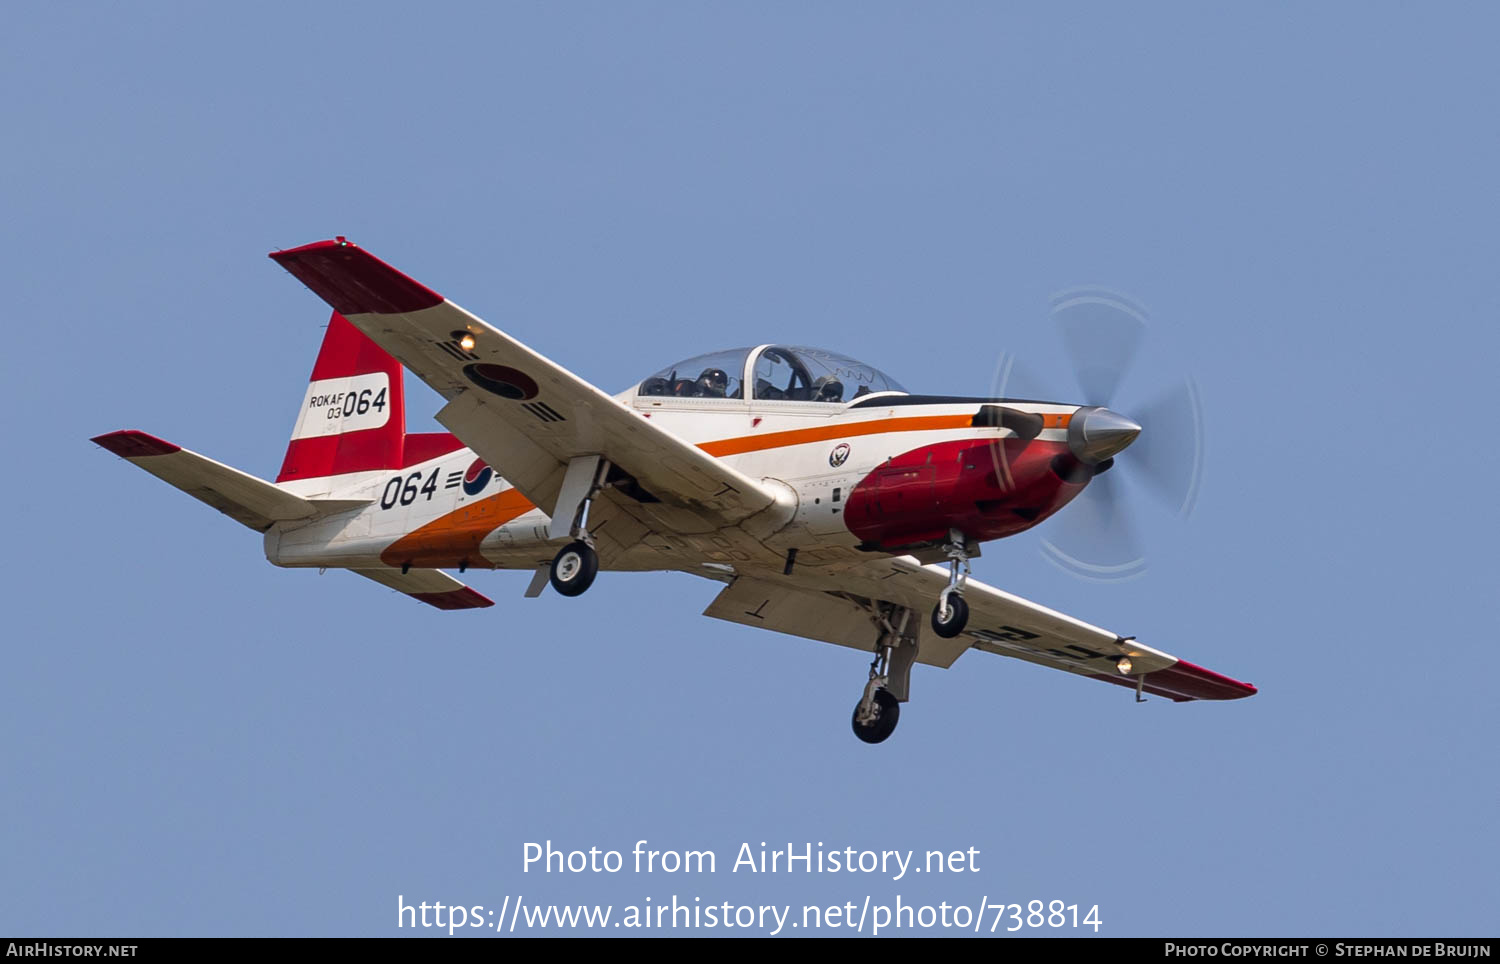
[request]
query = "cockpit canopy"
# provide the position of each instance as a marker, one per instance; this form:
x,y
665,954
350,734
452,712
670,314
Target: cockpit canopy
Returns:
x,y
772,373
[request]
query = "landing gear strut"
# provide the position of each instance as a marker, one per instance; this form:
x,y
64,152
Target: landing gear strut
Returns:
x,y
889,685
951,614
576,564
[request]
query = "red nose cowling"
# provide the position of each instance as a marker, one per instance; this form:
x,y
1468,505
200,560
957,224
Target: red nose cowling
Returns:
x,y
987,489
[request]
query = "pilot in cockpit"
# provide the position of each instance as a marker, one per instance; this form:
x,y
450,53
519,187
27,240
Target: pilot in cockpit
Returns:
x,y
713,383
828,389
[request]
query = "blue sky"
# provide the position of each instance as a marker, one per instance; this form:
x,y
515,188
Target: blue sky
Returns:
x,y
1303,197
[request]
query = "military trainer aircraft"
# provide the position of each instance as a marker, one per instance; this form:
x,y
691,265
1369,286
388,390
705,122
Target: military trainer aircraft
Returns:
x,y
828,501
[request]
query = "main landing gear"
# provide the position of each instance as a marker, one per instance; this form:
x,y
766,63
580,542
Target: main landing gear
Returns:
x,y
574,568
951,614
577,563
889,685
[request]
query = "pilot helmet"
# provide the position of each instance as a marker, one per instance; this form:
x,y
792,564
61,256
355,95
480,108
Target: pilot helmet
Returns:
x,y
713,381
828,389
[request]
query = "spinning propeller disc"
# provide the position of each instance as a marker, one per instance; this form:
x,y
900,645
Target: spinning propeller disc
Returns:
x,y
1104,339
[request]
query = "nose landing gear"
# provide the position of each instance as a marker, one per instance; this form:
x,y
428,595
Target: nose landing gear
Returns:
x,y
951,614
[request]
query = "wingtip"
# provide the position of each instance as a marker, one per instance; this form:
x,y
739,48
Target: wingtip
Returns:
x,y
133,444
281,254
353,280
1205,684
464,598
1183,682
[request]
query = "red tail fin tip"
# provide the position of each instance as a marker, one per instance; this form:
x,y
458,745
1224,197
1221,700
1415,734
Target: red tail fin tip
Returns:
x,y
353,418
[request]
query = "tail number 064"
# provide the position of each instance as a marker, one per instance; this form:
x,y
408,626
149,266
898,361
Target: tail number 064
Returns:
x,y
403,490
358,403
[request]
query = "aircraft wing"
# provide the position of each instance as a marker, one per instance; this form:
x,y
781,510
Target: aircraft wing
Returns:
x,y
524,414
832,606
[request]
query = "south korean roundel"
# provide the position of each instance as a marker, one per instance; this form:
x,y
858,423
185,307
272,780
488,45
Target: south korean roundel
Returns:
x,y
477,477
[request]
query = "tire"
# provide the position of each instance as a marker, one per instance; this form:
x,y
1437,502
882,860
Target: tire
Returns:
x,y
574,568
884,724
958,617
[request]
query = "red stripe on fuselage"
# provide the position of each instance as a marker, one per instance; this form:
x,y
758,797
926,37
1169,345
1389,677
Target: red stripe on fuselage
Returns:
x,y
421,447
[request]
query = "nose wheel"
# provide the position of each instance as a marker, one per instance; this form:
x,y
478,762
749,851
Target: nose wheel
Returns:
x,y
951,614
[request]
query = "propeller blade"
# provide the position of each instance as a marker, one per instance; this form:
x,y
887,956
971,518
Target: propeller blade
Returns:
x,y
1020,381
1093,535
1168,455
1104,337
1101,335
1014,379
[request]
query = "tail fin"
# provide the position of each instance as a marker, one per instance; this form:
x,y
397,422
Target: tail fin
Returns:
x,y
353,417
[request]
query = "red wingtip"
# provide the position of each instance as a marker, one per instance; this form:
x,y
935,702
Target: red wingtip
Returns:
x,y
1183,681
353,280
130,444
1205,684
464,598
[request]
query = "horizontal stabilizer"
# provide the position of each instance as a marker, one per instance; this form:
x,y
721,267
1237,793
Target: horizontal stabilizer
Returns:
x,y
431,586
244,498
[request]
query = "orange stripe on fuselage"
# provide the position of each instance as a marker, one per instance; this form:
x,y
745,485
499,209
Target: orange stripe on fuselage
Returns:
x,y
827,433
453,539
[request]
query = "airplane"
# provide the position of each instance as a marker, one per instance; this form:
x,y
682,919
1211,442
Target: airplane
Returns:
x,y
828,501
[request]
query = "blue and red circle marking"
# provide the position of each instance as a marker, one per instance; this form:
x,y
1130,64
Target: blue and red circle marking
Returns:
x,y
502,380
477,477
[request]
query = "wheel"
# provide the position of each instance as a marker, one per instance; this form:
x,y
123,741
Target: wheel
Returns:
x,y
957,617
887,713
574,568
